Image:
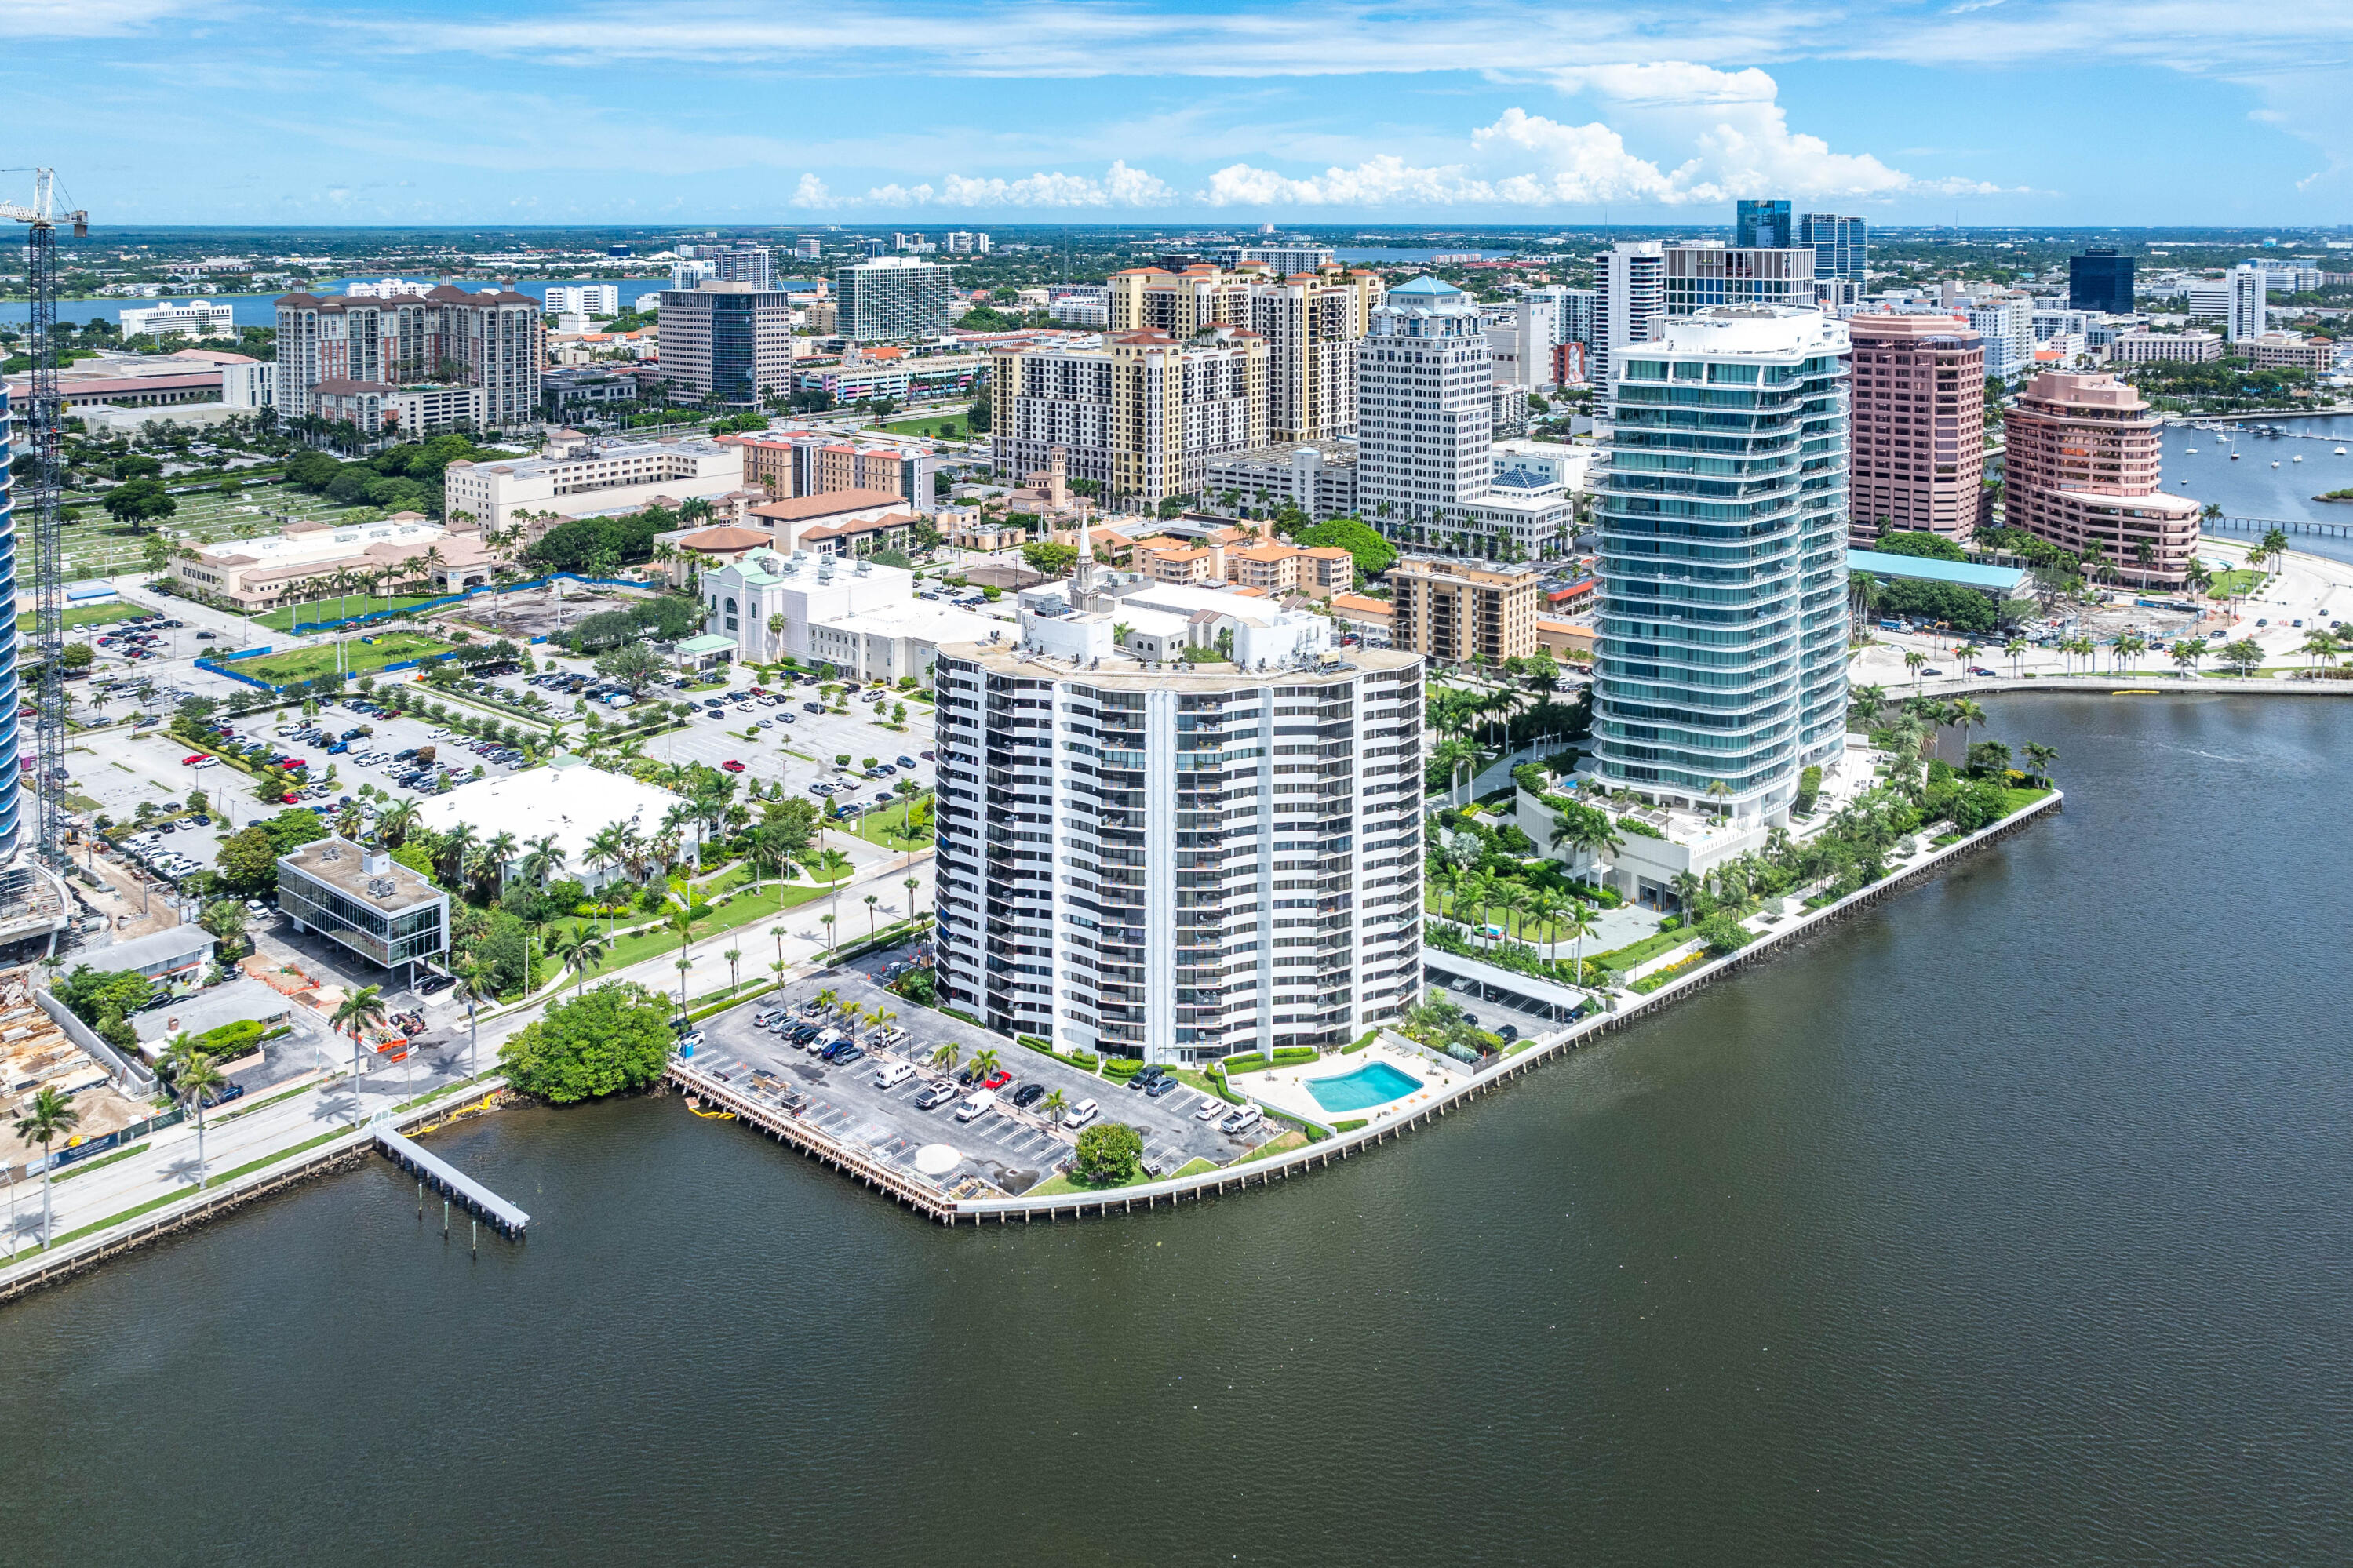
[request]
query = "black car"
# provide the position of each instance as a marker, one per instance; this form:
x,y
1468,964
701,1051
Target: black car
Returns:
x,y
1028,1094
1147,1077
433,985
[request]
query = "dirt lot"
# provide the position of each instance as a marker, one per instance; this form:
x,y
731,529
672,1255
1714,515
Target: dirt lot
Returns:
x,y
536,612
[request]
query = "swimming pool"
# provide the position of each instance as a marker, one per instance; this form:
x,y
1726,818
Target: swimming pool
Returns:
x,y
1375,1083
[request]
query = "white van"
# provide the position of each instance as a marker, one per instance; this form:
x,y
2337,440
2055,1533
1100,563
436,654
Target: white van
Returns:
x,y
978,1103
1081,1113
894,1075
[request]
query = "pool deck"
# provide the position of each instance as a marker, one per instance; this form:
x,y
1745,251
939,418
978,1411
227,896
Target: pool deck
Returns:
x,y
1286,1089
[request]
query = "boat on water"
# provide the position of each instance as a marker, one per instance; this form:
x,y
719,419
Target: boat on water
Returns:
x,y
2274,465
2340,451
2297,458
2234,457
2193,451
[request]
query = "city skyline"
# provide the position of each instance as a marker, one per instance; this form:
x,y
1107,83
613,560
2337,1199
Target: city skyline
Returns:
x,y
1164,110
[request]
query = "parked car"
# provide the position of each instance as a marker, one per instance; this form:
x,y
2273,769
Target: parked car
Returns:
x,y
976,1104
1028,1094
908,762
893,1075
997,1079
731,765
1081,1113
1210,1106
691,1041
850,1054
1241,1121
1163,1087
935,1094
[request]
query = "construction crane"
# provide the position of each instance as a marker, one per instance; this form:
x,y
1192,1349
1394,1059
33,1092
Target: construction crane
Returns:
x,y
45,419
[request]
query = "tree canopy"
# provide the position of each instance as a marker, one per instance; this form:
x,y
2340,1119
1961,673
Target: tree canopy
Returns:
x,y
1373,554
614,1038
1927,546
1110,1153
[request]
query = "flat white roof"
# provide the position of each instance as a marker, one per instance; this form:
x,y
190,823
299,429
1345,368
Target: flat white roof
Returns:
x,y
575,803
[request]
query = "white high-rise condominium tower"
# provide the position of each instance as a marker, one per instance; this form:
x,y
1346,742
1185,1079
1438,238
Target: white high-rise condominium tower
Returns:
x,y
1629,293
1722,658
1425,380
2245,321
1177,862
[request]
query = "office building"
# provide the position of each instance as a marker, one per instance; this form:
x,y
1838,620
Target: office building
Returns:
x,y
2289,351
1319,478
1521,338
2246,319
2102,280
252,385
196,319
492,340
891,297
362,899
2183,348
1142,414
752,264
1841,246
1458,611
1762,226
691,274
382,412
1572,312
1426,410
591,300
2209,300
387,289
960,243
1722,654
256,575
730,344
1177,863
1698,277
1312,323
807,247
1282,260
2083,469
593,475
1629,297
1919,427
2006,324
797,463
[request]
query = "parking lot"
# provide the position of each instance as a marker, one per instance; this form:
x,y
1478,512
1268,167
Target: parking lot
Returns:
x,y
1012,1148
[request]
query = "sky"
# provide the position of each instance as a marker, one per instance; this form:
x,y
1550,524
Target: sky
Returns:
x,y
2054,112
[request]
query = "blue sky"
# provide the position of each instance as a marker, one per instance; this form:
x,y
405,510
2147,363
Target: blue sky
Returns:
x,y
2035,111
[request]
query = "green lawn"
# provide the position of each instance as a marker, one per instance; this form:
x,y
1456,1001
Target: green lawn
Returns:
x,y
88,616
936,426
2237,582
337,608
359,658
882,827
742,911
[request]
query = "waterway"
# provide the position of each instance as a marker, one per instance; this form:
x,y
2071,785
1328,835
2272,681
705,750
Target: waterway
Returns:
x,y
261,309
2253,488
2009,1223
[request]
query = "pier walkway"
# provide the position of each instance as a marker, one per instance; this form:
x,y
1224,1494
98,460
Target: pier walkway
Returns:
x,y
450,1182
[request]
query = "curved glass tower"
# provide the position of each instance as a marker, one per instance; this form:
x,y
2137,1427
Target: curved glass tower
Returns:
x,y
1721,658
11,770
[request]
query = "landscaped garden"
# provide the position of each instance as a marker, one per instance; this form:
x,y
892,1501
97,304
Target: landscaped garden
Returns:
x,y
337,607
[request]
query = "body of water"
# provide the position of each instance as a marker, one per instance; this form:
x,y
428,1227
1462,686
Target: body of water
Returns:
x,y
2253,488
261,309
1377,253
2009,1223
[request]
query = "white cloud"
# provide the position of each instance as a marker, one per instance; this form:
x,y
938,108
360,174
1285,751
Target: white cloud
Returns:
x,y
811,193
1726,130
86,18
1121,187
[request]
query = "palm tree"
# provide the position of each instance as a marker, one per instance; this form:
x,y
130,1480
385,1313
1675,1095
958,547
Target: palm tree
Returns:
x,y
2039,757
1053,1105
1720,792
357,1012
1914,661
397,824
911,884
1967,715
826,920
778,932
49,1117
1542,908
683,922
578,950
1576,923
193,1079
2015,651
2187,652
449,860
943,1056
870,901
545,858
734,957
984,1061
2322,647
490,863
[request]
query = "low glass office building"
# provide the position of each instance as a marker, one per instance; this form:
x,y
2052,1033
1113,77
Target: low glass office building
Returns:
x,y
366,901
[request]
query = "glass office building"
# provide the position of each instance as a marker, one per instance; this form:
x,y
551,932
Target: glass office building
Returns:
x,y
1722,511
1762,226
2100,279
363,900
1842,245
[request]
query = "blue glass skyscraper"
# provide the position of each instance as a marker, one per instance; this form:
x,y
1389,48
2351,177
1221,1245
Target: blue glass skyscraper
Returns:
x,y
1762,226
1722,657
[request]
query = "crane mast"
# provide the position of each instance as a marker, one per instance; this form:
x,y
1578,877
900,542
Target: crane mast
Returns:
x,y
45,422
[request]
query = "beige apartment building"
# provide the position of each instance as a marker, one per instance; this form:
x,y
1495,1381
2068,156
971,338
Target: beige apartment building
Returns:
x,y
1459,610
1141,413
2082,470
1312,323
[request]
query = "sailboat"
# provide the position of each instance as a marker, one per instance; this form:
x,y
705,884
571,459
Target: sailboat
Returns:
x,y
2340,451
2298,457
